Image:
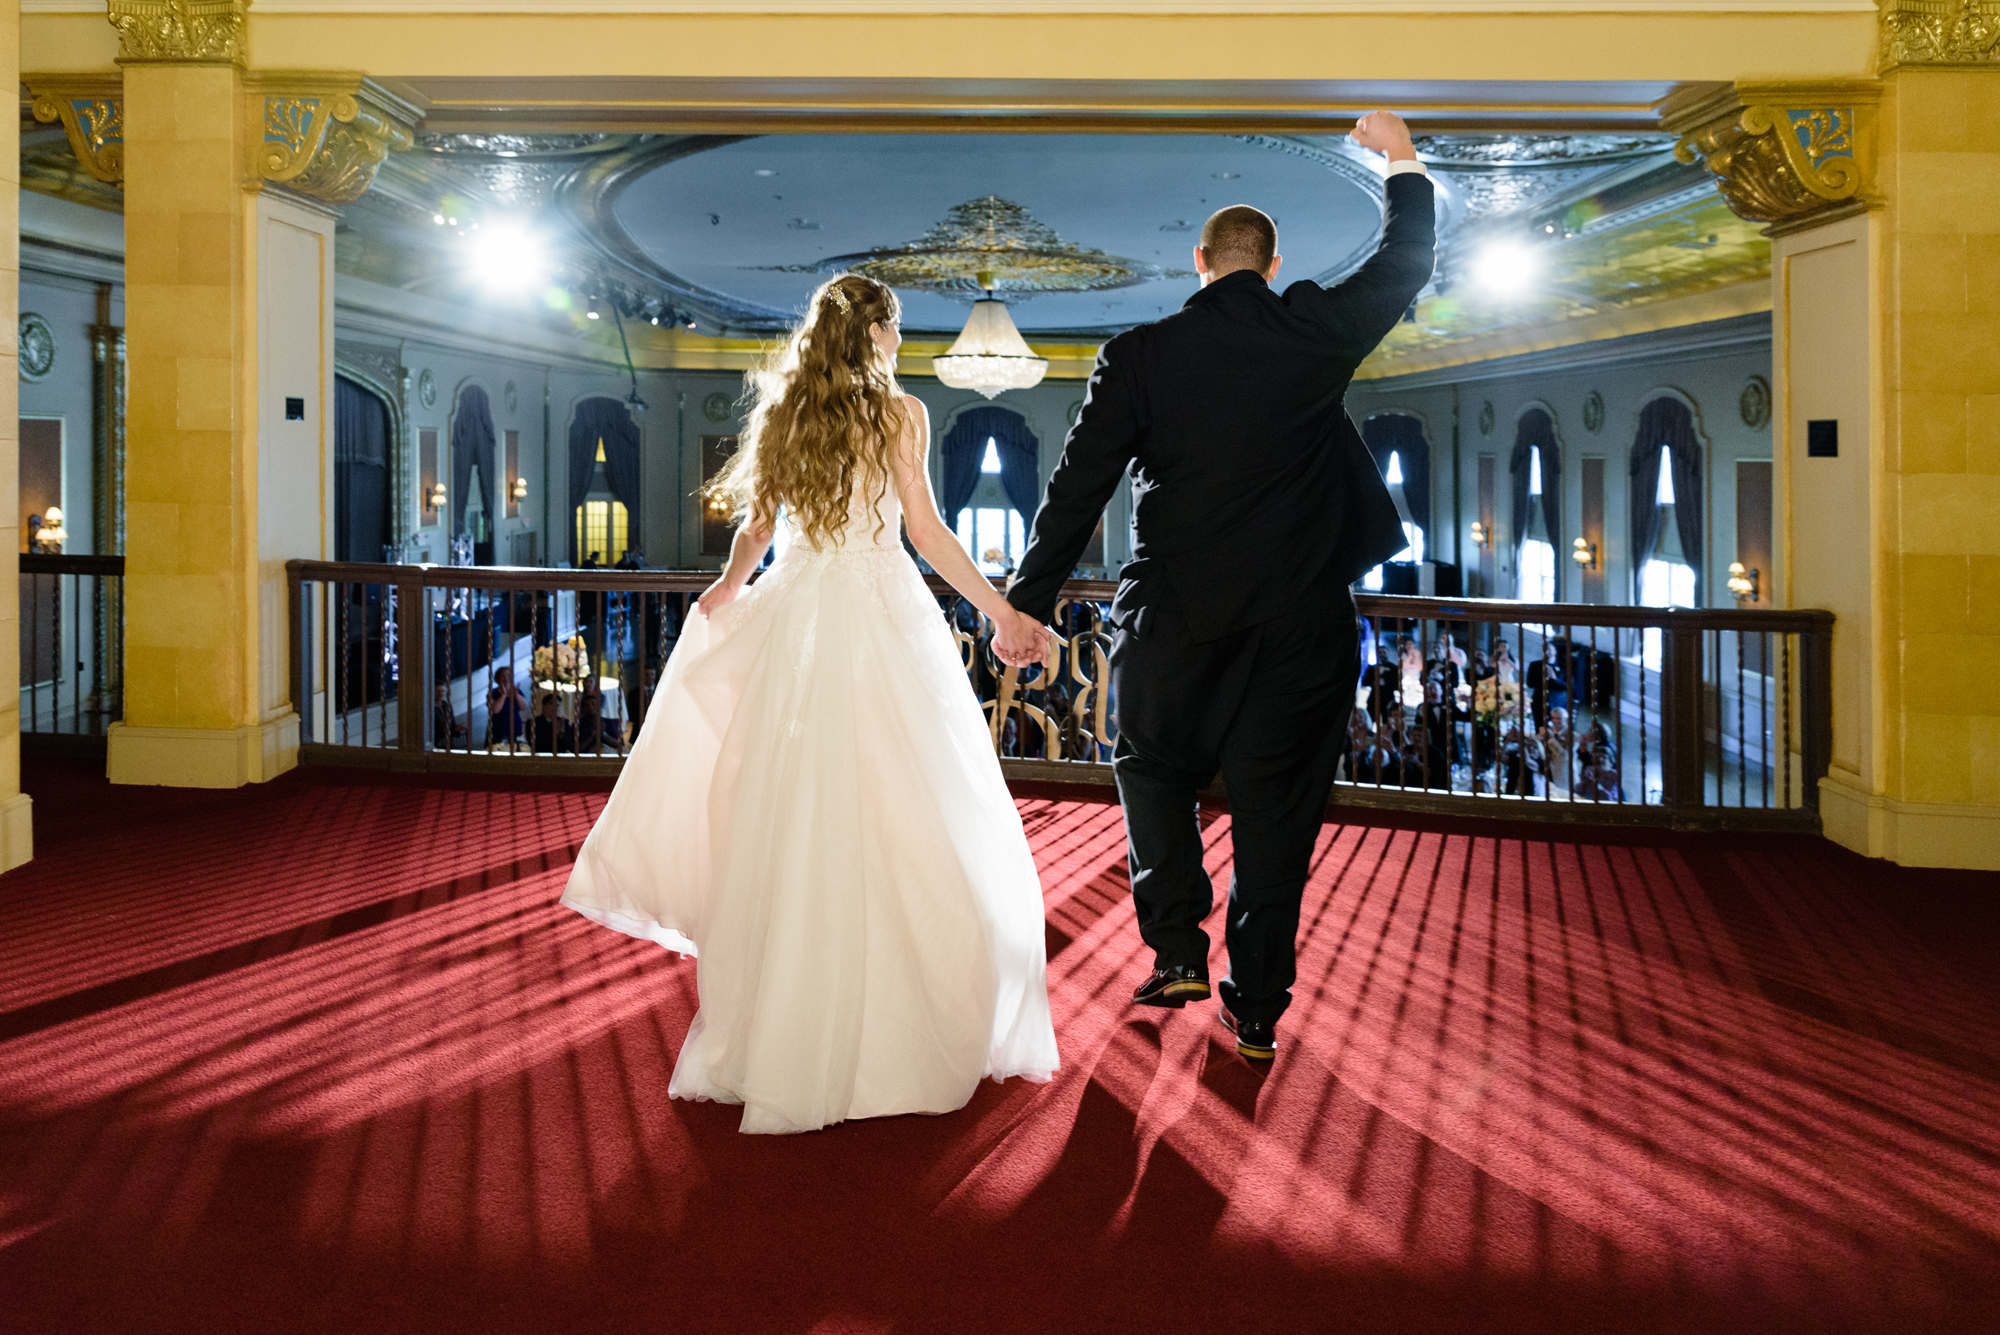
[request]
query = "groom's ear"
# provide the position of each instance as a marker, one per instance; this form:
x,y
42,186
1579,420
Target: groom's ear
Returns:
x,y
1271,274
1201,261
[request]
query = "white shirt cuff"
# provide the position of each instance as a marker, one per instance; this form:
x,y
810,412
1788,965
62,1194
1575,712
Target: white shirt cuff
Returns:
x,y
1406,165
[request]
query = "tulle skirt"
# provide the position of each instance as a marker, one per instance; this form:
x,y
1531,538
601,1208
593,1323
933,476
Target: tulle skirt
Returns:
x,y
814,810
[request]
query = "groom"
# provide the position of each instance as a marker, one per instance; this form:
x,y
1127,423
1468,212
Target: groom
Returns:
x,y
1234,642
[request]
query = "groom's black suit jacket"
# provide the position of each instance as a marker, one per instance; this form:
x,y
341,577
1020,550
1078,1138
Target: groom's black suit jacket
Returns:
x,y
1253,490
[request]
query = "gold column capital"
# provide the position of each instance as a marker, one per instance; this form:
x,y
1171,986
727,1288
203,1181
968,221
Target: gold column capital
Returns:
x,y
91,108
1940,32
1787,154
324,134
189,31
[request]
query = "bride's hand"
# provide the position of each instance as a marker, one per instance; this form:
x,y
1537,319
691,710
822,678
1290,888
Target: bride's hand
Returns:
x,y
716,597
1020,640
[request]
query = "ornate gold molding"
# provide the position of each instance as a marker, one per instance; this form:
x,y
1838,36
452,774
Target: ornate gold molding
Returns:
x,y
92,111
195,31
1781,153
325,135
1940,32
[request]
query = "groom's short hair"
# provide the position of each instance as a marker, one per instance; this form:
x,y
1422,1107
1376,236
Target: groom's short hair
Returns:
x,y
1239,237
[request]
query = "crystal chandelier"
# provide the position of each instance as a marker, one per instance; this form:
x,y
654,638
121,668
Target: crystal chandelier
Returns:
x,y
990,355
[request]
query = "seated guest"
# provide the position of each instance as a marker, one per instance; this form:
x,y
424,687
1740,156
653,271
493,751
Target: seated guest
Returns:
x,y
1522,764
1424,763
590,718
446,730
551,734
506,709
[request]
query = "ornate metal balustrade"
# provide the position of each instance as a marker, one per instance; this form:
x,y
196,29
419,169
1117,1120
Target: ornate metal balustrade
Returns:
x,y
1622,714
72,650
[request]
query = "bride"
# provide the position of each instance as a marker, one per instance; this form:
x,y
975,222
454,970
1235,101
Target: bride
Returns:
x,y
814,808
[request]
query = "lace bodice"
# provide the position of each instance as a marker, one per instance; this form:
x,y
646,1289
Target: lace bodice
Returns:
x,y
861,532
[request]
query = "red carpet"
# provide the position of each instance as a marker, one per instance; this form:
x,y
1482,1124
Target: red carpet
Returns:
x,y
322,1056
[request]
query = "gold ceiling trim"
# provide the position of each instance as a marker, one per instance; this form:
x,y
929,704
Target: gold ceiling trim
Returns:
x,y
181,31
1940,32
325,135
1781,153
91,109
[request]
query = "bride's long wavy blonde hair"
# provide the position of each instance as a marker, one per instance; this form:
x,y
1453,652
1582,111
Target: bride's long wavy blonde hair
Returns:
x,y
826,413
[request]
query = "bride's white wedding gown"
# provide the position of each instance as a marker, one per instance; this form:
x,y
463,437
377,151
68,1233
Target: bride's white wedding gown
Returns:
x,y
814,810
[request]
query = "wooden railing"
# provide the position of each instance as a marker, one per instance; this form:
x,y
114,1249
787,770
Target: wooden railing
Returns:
x,y
72,649
1642,715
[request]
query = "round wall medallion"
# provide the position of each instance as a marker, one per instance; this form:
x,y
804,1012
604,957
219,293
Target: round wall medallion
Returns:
x,y
717,407
510,398
1755,403
1593,411
1486,418
427,389
38,347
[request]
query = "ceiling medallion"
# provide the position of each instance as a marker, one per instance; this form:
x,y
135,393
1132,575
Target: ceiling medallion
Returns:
x,y
994,244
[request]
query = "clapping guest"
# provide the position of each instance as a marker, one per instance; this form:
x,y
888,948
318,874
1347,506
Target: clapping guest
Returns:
x,y
506,709
1548,682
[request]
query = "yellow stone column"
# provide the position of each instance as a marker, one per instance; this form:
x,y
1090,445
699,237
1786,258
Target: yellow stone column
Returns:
x,y
1886,372
17,836
229,177
192,713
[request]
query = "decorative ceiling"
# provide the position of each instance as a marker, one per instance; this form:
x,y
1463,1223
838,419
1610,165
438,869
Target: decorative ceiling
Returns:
x,y
1083,234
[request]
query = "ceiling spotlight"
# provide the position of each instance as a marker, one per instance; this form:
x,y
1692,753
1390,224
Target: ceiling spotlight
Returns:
x,y
452,221
765,171
506,257
591,310
690,324
438,218
655,319
1226,176
1505,267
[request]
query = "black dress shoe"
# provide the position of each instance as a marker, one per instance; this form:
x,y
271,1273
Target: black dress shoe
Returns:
x,y
1255,1039
1174,987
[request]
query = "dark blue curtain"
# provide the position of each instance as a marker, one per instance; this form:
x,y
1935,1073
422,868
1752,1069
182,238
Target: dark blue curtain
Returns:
x,y
1536,431
607,420
472,443
1403,436
965,446
360,473
1666,422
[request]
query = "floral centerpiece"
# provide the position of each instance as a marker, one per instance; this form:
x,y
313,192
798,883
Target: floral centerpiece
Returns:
x,y
1492,697
564,664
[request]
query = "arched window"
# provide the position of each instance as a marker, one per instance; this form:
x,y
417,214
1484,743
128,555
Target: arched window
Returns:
x,y
360,473
990,484
1666,506
1536,466
603,482
603,524
1396,441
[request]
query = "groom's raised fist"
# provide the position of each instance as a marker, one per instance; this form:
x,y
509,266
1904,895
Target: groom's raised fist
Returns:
x,y
1384,132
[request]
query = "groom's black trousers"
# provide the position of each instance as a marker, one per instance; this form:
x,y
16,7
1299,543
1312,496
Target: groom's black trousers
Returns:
x,y
1267,707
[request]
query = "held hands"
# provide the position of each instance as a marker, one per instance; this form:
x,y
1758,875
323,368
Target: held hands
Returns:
x,y
1384,132
1019,639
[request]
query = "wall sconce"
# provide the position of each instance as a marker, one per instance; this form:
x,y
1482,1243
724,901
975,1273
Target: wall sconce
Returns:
x,y
520,489
1584,553
1480,537
436,500
1742,583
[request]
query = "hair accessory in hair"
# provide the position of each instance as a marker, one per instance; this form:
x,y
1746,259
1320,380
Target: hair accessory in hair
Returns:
x,y
840,300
